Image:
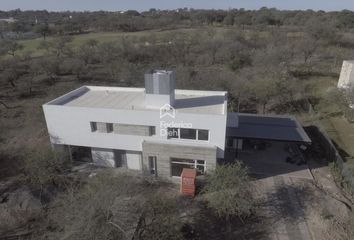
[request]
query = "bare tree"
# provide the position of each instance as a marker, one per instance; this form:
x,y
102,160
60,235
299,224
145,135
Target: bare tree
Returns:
x,y
51,67
9,47
43,166
160,219
107,207
307,46
58,47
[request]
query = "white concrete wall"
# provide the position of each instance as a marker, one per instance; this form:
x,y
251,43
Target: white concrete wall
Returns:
x,y
71,126
134,160
156,101
346,78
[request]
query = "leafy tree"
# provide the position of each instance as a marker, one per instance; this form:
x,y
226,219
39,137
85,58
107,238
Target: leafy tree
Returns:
x,y
42,29
227,191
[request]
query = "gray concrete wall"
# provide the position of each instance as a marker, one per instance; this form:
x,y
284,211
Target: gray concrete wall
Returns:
x,y
164,153
136,130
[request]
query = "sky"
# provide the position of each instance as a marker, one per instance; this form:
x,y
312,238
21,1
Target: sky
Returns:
x,y
140,5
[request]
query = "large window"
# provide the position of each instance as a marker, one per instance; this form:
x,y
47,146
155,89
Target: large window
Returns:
x,y
123,129
173,132
188,133
203,135
178,164
101,127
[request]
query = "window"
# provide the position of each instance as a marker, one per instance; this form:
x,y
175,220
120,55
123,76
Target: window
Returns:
x,y
124,129
152,165
230,142
109,127
188,133
203,135
172,133
93,126
178,164
132,129
152,131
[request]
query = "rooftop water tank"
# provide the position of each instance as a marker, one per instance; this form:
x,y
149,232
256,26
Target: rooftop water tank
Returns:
x,y
159,88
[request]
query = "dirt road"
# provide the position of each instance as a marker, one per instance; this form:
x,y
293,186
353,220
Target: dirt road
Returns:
x,y
285,212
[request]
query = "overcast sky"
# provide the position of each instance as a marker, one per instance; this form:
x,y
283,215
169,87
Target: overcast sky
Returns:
x,y
114,5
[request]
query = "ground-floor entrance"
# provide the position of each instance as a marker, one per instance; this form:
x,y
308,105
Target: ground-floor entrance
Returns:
x,y
168,160
156,159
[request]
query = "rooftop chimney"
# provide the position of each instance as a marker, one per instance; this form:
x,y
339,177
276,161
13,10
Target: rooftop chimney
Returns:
x,y
159,88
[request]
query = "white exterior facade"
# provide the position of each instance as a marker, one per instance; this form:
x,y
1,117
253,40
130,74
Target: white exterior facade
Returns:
x,y
69,121
71,126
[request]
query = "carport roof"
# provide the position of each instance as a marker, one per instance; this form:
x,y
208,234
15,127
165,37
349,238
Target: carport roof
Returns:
x,y
268,127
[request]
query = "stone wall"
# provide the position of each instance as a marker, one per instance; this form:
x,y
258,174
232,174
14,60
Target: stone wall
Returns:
x,y
164,153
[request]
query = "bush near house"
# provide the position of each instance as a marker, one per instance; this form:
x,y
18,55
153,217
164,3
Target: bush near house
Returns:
x,y
227,191
43,166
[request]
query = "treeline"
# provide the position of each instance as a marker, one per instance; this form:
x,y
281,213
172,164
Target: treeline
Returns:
x,y
45,22
263,71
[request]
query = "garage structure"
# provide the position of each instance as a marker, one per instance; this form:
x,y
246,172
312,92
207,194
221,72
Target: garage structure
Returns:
x,y
268,144
242,126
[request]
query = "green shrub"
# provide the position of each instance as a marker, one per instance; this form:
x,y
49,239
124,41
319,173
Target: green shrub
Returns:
x,y
227,191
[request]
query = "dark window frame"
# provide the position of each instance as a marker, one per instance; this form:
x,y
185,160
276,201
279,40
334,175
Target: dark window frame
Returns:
x,y
93,126
207,134
174,130
188,133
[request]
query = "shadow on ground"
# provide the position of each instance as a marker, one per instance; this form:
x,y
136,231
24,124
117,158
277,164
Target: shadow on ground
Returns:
x,y
204,224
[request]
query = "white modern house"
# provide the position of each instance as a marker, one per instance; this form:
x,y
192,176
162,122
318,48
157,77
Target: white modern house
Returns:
x,y
157,129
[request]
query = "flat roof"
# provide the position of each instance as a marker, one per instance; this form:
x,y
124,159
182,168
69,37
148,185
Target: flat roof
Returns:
x,y
189,101
268,127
